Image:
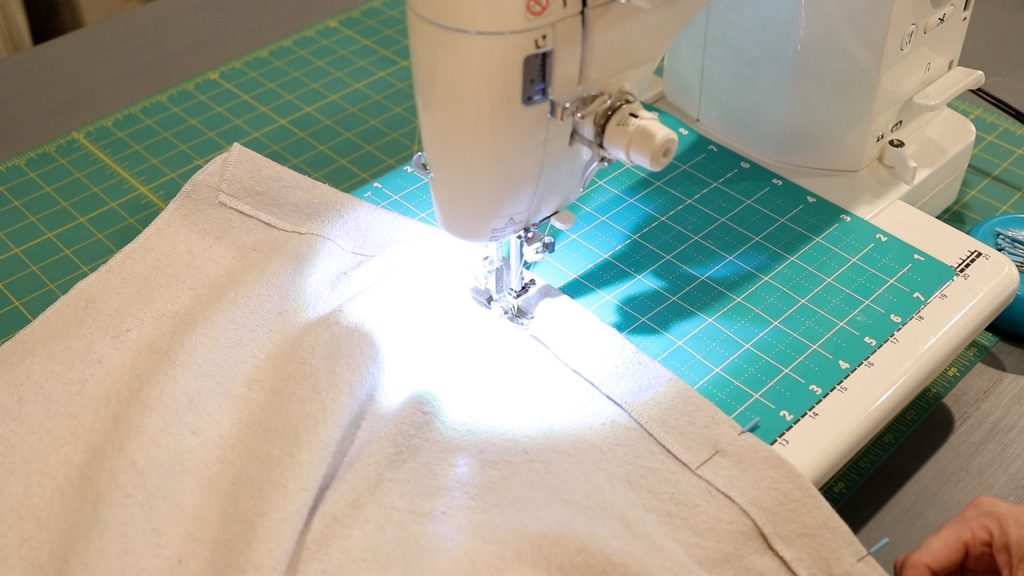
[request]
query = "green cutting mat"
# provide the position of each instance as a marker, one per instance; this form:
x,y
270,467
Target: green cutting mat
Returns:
x,y
994,183
333,101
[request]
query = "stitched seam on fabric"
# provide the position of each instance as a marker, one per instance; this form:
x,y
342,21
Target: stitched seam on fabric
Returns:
x,y
653,431
282,225
269,219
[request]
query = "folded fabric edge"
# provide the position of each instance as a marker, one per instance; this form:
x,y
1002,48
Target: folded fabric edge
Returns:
x,y
684,423
292,202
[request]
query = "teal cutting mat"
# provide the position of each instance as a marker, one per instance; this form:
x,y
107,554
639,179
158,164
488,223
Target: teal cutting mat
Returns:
x,y
334,102
761,295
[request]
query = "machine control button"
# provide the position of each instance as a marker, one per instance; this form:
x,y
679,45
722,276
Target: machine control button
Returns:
x,y
637,136
896,156
908,38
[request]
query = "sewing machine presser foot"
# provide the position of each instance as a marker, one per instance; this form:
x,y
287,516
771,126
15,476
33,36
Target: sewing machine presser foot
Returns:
x,y
503,286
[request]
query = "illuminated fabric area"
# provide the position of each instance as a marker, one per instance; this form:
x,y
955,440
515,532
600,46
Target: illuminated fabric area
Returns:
x,y
277,378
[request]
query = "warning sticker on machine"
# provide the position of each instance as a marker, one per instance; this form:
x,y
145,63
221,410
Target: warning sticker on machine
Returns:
x,y
502,228
537,8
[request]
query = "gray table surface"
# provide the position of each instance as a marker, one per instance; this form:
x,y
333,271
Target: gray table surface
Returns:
x,y
973,444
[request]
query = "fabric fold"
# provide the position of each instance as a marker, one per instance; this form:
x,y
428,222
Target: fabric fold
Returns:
x,y
286,200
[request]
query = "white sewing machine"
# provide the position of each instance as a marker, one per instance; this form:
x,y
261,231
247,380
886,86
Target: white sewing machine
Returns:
x,y
520,101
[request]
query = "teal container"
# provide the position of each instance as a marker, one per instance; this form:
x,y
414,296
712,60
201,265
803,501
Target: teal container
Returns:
x,y
1011,321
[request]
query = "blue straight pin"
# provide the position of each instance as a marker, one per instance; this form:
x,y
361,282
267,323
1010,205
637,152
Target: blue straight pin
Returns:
x,y
751,425
1011,238
1015,256
878,546
1011,243
1011,232
1009,248
881,544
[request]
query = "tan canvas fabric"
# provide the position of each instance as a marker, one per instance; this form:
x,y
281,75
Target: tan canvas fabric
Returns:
x,y
276,378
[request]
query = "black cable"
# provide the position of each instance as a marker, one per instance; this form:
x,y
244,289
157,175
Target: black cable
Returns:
x,y
999,104
992,96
